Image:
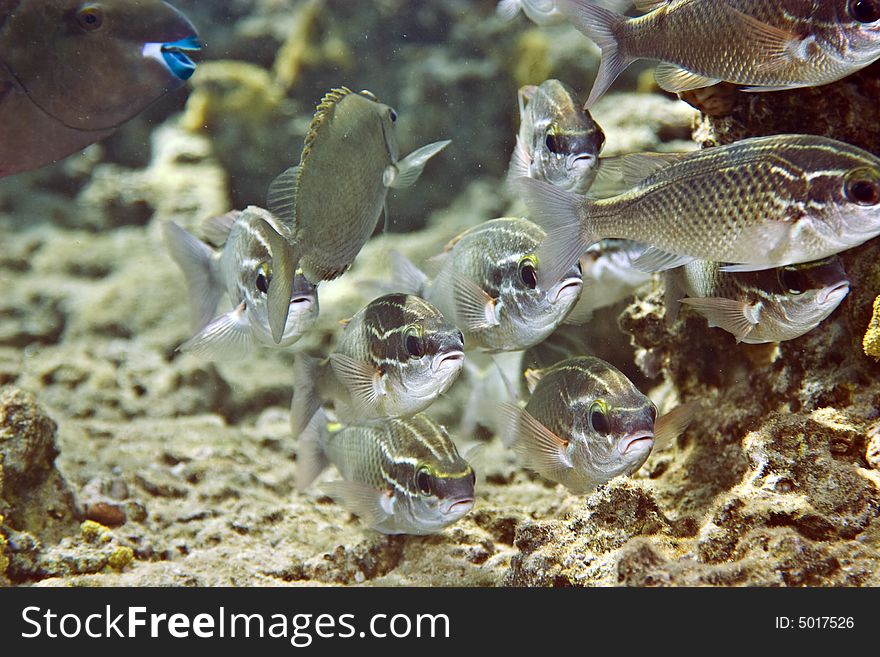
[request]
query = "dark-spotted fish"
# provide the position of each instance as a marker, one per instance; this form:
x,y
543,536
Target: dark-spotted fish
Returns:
x,y
393,359
71,72
586,423
763,44
763,306
403,476
762,202
331,202
243,268
488,286
558,141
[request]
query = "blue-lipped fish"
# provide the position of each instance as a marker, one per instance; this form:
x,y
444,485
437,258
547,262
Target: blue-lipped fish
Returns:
x,y
763,306
763,44
243,268
330,203
403,476
558,141
393,359
487,286
586,423
71,72
757,203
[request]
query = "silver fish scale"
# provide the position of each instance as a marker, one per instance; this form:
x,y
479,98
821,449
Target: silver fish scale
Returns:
x,y
727,203
706,37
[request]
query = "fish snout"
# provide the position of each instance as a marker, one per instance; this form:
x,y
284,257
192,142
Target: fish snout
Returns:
x,y
582,160
636,443
458,507
450,357
834,294
570,286
301,302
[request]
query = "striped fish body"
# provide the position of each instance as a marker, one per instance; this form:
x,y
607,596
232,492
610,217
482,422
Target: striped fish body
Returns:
x,y
761,202
487,287
403,476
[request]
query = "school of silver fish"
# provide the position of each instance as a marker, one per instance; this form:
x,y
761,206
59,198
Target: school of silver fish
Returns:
x,y
747,235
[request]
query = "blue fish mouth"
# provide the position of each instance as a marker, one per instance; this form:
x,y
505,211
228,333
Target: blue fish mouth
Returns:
x,y
174,55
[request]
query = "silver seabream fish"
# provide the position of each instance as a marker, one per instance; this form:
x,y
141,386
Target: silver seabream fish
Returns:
x,y
243,268
763,44
763,306
758,203
72,72
487,285
330,203
393,359
558,141
586,423
403,476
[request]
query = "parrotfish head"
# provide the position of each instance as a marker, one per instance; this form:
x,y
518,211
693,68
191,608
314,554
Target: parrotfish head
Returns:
x,y
98,63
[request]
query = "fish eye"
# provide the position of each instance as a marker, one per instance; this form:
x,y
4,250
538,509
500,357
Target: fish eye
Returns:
x,y
790,280
414,343
528,273
865,11
599,418
473,477
862,186
461,337
653,412
90,17
392,115
423,481
263,278
554,143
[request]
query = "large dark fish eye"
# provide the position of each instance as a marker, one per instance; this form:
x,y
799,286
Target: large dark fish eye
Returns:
x,y
865,11
392,115
528,273
423,481
90,17
555,143
263,278
599,418
791,280
414,343
653,412
862,186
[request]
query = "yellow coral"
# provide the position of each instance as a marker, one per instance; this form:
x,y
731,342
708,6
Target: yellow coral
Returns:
x,y
871,341
4,545
121,557
94,532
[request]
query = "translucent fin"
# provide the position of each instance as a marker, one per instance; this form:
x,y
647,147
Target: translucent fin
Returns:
x,y
311,460
306,397
559,213
281,199
228,337
520,163
474,308
216,229
362,500
735,317
600,24
525,93
675,79
670,426
507,9
533,377
362,380
776,47
672,294
284,264
405,276
542,450
619,173
781,87
648,5
196,260
410,168
748,266
654,259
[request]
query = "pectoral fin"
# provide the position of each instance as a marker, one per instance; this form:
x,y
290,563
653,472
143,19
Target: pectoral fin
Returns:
x,y
310,457
217,229
372,506
281,199
654,259
362,380
474,308
675,79
776,47
195,259
733,316
670,426
228,337
542,450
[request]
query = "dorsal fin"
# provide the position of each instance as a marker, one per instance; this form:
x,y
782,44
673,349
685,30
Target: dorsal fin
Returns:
x,y
322,113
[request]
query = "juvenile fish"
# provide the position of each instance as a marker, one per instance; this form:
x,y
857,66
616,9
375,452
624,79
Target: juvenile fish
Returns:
x,y
71,72
762,202
764,306
330,203
763,44
393,359
403,476
558,141
243,268
586,423
487,285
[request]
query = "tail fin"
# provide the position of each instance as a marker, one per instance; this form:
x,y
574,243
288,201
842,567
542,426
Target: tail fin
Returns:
x,y
558,212
306,396
196,260
602,26
410,168
310,456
